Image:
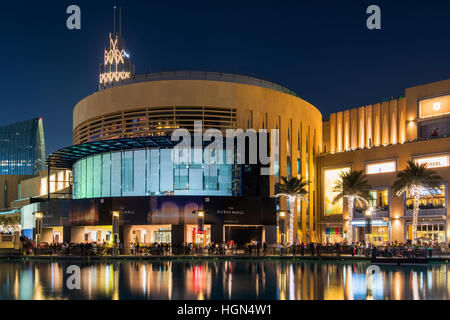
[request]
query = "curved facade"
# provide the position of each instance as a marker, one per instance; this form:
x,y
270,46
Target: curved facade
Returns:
x,y
148,172
152,121
156,104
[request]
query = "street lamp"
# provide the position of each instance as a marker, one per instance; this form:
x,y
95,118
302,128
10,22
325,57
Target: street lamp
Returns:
x,y
38,226
200,222
115,230
282,218
369,213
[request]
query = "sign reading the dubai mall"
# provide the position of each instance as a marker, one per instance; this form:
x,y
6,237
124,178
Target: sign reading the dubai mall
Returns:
x,y
117,65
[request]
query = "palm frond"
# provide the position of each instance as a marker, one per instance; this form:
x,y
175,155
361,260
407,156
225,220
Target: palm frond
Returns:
x,y
293,187
416,177
352,184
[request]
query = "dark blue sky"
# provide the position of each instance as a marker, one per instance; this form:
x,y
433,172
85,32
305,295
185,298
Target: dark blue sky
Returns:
x,y
320,49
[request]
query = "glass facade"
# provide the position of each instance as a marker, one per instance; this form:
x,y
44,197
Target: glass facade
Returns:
x,y
148,172
22,148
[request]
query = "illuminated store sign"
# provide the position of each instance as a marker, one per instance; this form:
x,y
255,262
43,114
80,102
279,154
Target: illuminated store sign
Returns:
x,y
434,107
381,167
434,162
331,176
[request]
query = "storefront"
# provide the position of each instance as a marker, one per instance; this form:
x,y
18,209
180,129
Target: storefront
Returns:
x,y
376,231
162,219
333,235
147,234
52,235
333,232
428,231
197,235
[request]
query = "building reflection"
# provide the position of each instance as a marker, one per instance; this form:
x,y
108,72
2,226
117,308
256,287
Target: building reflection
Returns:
x,y
284,280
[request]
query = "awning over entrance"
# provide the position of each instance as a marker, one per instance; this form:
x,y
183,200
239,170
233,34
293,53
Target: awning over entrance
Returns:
x,y
65,158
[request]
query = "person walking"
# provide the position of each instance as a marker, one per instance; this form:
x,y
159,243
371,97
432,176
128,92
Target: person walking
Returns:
x,y
311,248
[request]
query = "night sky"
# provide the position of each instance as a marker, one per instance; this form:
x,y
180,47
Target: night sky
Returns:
x,y
320,49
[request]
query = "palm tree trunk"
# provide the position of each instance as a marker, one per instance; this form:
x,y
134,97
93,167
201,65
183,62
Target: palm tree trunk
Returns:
x,y
415,217
351,203
292,202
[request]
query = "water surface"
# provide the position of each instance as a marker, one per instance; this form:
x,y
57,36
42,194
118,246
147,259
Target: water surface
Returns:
x,y
238,279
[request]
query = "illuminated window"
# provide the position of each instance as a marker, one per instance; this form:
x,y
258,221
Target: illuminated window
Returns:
x,y
380,200
53,183
43,186
331,176
60,184
434,107
381,167
434,162
427,200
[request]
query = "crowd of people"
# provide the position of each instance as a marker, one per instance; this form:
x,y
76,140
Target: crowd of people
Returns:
x,y
155,248
66,249
9,232
392,249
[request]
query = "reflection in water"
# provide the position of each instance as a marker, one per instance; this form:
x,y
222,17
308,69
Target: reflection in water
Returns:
x,y
272,280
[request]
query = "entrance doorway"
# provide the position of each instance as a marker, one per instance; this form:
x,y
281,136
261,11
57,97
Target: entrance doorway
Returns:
x,y
242,235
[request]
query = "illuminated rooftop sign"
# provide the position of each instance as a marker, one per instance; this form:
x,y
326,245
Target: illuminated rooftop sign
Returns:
x,y
434,107
117,65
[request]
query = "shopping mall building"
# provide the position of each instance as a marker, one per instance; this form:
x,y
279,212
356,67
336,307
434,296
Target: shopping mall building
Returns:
x,y
123,170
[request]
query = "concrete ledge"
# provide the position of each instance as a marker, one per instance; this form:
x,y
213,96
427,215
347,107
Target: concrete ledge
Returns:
x,y
182,258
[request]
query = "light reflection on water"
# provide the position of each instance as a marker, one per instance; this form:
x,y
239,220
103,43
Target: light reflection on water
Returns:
x,y
272,280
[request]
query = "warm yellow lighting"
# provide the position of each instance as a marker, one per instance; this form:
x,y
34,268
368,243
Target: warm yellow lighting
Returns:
x,y
43,186
200,213
116,214
114,55
369,211
38,215
282,214
114,76
331,176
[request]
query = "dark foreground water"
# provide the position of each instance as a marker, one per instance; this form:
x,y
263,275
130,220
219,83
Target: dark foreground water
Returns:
x,y
281,280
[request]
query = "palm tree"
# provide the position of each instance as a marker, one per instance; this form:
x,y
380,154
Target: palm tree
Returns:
x,y
292,188
353,186
412,180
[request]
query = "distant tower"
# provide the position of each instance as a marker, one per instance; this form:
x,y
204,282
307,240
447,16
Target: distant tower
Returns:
x,y
116,65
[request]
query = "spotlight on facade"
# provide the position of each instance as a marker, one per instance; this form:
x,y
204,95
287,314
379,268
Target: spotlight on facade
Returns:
x,y
199,213
38,215
282,213
369,211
